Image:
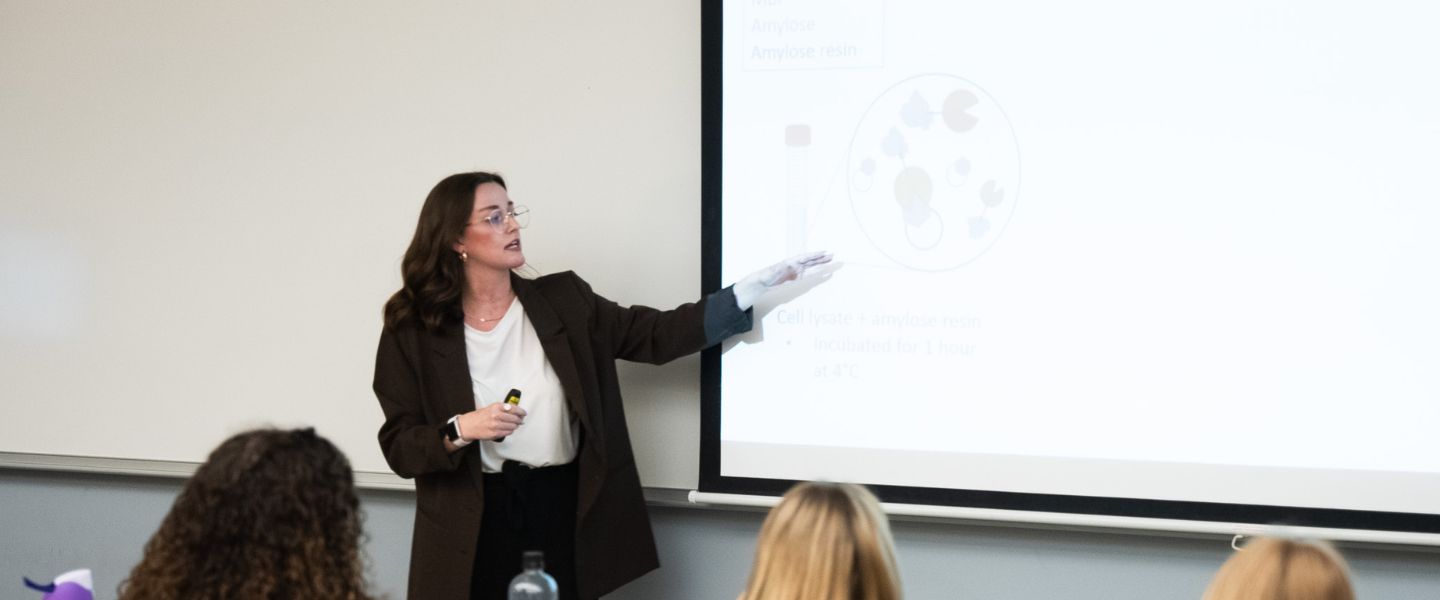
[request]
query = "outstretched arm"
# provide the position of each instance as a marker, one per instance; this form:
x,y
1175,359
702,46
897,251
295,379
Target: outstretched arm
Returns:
x,y
644,334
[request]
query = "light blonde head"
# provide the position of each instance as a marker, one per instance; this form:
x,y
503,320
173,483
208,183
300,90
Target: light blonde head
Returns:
x,y
825,541
1281,569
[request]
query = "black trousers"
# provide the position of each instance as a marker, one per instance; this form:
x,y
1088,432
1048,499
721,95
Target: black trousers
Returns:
x,y
526,509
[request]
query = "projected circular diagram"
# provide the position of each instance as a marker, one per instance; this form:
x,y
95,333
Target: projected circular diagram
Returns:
x,y
933,172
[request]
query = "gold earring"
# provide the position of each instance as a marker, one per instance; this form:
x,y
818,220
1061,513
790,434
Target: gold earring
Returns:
x,y
464,256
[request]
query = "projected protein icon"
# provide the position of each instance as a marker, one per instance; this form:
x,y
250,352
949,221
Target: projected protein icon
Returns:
x,y
933,172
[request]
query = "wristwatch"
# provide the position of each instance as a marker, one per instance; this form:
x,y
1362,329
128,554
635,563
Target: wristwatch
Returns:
x,y
452,432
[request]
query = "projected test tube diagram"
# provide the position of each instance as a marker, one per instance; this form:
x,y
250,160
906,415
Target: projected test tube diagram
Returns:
x,y
927,163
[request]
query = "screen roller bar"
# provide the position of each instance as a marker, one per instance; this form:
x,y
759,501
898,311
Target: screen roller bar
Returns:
x,y
1061,520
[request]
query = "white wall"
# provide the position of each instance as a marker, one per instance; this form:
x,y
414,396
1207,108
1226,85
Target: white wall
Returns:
x,y
203,205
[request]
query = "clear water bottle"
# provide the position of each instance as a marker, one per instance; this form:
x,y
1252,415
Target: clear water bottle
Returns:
x,y
534,583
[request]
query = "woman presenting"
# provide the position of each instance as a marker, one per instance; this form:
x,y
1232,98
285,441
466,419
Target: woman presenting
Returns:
x,y
554,472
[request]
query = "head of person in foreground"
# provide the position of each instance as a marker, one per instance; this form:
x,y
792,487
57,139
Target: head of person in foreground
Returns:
x,y
271,514
825,541
1282,569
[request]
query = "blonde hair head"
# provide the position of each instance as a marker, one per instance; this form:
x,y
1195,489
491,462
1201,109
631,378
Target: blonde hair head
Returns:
x,y
825,541
1282,569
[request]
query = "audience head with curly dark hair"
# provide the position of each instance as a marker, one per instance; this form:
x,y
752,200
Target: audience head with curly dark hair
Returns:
x,y
271,514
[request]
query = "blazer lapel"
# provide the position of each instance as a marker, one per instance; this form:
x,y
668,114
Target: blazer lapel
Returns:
x,y
551,331
452,369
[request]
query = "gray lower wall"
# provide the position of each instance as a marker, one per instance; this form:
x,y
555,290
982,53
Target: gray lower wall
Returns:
x,y
51,522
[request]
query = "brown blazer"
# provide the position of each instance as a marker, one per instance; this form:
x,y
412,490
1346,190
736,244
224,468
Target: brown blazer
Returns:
x,y
422,379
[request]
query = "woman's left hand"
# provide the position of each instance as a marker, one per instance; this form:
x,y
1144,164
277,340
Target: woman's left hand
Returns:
x,y
749,289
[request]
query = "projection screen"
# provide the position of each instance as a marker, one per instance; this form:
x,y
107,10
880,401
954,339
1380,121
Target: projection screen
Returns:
x,y
1117,258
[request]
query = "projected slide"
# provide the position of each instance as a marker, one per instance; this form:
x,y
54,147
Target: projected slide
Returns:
x,y
1124,250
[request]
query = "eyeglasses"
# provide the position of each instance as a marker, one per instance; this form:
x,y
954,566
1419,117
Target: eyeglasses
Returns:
x,y
496,219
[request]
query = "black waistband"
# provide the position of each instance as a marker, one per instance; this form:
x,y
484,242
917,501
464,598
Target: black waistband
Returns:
x,y
510,491
517,472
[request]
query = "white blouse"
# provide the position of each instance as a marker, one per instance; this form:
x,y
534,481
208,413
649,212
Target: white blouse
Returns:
x,y
510,356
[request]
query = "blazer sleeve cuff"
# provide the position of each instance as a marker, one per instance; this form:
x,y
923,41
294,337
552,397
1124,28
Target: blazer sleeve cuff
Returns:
x,y
723,317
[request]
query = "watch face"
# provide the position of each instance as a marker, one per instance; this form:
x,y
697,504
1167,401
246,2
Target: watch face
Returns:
x,y
452,431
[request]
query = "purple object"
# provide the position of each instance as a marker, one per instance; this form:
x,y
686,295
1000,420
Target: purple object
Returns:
x,y
69,591
74,585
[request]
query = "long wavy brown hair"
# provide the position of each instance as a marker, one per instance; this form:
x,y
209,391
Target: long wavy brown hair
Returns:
x,y
433,275
271,514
